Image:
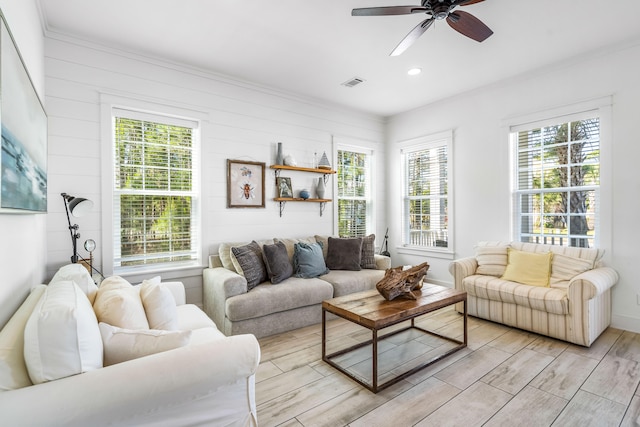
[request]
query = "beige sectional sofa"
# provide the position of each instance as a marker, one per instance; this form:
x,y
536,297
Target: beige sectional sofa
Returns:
x,y
53,373
270,308
574,305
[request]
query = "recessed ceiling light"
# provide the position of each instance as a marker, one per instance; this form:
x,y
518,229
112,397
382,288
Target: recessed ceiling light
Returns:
x,y
414,71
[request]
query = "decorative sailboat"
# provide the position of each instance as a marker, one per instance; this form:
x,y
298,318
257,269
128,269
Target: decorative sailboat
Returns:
x,y
324,162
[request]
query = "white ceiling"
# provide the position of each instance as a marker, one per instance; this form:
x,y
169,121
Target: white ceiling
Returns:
x,y
311,47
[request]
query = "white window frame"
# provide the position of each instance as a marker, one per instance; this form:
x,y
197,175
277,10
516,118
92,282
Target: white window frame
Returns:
x,y
600,108
432,141
144,110
370,223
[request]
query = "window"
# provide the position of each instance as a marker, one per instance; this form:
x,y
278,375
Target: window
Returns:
x,y
557,184
155,191
354,192
426,183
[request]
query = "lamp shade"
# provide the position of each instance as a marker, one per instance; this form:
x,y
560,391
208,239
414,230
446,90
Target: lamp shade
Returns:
x,y
79,206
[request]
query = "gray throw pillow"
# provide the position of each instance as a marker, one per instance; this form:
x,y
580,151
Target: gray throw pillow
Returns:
x,y
308,260
277,262
368,259
249,258
344,254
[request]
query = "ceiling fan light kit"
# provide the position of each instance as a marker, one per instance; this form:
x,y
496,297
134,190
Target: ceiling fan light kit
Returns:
x,y
463,22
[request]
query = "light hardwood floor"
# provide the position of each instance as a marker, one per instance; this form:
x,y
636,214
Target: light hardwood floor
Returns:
x,y
505,377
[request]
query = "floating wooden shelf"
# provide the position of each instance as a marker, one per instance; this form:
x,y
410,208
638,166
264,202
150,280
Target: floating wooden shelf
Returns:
x,y
300,169
284,200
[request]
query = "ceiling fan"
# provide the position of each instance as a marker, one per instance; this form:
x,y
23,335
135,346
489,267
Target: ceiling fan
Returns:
x,y
462,22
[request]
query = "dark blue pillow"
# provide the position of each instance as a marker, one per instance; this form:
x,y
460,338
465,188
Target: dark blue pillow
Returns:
x,y
308,260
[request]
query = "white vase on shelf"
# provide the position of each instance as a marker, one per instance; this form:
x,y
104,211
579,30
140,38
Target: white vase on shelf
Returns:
x,y
320,188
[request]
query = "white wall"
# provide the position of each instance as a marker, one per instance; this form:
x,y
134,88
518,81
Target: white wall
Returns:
x,y
481,160
23,242
241,122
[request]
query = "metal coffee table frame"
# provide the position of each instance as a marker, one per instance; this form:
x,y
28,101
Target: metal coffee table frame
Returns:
x,y
374,386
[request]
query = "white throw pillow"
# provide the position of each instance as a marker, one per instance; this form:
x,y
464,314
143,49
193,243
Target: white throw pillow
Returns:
x,y
61,337
13,371
121,345
118,303
80,275
159,306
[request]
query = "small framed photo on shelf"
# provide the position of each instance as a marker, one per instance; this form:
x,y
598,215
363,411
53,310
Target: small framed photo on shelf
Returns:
x,y
245,184
283,185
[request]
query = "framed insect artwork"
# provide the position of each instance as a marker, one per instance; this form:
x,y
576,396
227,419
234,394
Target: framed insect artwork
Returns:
x,y
245,184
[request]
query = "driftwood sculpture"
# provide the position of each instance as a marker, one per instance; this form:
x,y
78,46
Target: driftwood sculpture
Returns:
x,y
399,282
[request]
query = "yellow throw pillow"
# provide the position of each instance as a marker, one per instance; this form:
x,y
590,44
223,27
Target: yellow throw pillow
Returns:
x,y
528,268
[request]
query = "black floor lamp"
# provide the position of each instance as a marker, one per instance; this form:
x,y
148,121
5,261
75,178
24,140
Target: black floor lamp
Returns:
x,y
78,207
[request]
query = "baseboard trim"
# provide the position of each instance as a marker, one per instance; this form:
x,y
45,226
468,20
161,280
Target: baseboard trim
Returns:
x,y
627,323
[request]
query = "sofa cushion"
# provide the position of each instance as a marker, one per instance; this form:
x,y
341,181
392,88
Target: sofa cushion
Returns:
x,y
492,259
248,262
290,244
224,251
121,345
528,268
346,282
119,304
565,267
191,317
367,257
590,254
308,260
277,262
78,274
61,337
551,300
159,306
344,254
13,370
266,299
324,240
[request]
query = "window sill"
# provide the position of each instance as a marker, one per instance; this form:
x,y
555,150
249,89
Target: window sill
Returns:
x,y
134,274
445,253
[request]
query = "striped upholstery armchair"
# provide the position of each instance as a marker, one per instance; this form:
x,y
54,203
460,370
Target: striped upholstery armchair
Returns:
x,y
574,304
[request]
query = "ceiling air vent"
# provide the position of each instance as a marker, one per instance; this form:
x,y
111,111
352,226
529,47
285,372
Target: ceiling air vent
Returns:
x,y
353,82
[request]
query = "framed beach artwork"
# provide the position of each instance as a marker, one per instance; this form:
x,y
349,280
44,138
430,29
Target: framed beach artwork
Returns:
x,y
245,184
23,158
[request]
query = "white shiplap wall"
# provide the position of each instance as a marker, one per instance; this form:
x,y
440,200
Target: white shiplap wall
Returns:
x,y
241,121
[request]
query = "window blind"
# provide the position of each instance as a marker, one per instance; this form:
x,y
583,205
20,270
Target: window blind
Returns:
x,y
426,196
354,182
155,191
557,186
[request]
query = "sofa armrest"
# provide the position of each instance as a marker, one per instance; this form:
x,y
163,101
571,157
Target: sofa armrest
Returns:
x,y
462,268
382,261
226,283
592,283
189,385
218,285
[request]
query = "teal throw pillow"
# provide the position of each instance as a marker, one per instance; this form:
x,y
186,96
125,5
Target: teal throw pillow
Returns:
x,y
308,260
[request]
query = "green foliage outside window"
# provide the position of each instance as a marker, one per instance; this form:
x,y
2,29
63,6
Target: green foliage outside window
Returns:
x,y
153,181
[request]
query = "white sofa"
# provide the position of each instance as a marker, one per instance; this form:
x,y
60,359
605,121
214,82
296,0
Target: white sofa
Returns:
x,y
295,302
575,306
210,381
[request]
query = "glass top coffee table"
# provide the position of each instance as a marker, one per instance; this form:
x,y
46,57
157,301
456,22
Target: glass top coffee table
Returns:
x,y
370,310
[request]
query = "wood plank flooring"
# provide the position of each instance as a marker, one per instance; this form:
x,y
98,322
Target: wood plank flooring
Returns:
x,y
505,377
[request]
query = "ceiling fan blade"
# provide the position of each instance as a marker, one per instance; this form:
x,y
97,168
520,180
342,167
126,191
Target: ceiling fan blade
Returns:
x,y
388,10
466,2
412,36
468,25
